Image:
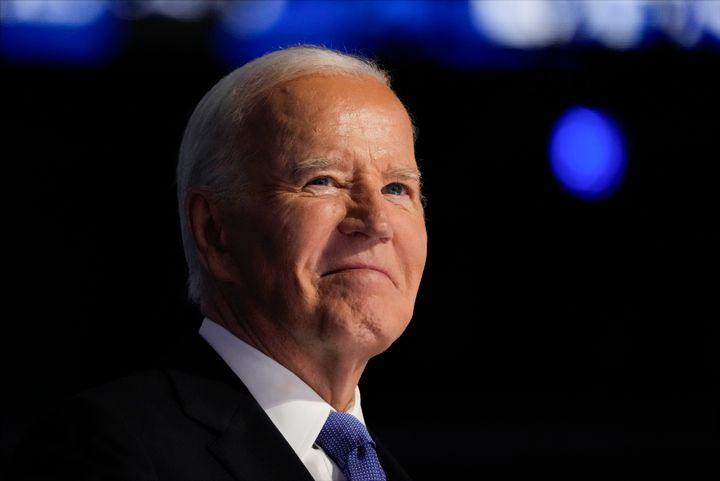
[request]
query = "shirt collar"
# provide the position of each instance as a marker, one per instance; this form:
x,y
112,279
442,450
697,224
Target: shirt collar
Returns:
x,y
297,411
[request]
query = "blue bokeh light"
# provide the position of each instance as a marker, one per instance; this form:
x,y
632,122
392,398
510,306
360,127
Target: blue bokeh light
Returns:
x,y
58,31
587,153
253,28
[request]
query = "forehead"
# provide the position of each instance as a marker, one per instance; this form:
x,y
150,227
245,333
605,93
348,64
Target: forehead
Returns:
x,y
333,101
323,90
336,115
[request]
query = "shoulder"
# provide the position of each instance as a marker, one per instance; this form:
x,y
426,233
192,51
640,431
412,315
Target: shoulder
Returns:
x,y
136,427
154,424
94,434
140,394
154,405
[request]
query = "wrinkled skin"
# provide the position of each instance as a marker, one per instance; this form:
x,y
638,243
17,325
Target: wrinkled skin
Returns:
x,y
319,260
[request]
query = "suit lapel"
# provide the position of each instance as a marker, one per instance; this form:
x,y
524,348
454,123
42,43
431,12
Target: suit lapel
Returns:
x,y
265,453
248,444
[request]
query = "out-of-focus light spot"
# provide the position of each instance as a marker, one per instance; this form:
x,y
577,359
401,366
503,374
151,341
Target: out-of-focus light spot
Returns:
x,y
470,33
587,153
617,24
67,31
178,9
250,29
708,13
677,18
524,23
69,13
401,11
252,18
404,18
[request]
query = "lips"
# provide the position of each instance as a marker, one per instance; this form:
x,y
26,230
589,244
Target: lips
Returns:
x,y
358,266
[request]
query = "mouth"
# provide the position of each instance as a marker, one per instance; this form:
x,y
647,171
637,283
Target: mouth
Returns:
x,y
358,266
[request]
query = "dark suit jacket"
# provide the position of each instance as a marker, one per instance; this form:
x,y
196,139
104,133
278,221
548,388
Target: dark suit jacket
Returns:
x,y
186,420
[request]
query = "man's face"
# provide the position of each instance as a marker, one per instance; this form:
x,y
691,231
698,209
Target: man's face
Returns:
x,y
328,238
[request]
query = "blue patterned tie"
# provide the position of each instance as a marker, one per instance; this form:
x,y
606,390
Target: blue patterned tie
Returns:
x,y
348,443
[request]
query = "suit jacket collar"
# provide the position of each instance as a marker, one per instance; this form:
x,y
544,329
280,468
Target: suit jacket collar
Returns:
x,y
248,444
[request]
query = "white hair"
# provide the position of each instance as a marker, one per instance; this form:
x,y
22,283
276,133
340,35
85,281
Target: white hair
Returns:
x,y
213,144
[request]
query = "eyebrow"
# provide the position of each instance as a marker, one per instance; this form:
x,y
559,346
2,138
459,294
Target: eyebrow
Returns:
x,y
407,173
309,165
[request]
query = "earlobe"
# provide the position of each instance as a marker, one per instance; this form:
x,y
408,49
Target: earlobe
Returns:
x,y
205,217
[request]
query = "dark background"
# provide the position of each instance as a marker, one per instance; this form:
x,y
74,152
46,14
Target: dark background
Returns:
x,y
548,331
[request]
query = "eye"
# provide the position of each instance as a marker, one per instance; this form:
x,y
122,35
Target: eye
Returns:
x,y
395,188
323,184
322,180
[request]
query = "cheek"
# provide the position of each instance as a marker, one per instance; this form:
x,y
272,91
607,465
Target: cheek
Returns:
x,y
412,248
306,231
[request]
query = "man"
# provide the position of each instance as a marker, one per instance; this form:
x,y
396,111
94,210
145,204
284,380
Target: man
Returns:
x,y
304,232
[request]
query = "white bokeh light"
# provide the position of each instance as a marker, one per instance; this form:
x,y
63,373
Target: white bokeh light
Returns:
x,y
678,20
188,10
525,23
708,14
70,13
617,24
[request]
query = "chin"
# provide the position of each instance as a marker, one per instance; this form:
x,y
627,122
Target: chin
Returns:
x,y
369,326
376,332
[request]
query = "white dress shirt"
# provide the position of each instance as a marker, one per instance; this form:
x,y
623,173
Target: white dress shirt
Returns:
x,y
297,411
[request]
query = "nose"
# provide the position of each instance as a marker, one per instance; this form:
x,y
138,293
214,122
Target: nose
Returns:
x,y
367,216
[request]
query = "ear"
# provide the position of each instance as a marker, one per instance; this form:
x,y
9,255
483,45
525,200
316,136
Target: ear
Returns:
x,y
205,217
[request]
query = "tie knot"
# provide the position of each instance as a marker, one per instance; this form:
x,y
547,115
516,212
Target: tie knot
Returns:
x,y
346,440
343,432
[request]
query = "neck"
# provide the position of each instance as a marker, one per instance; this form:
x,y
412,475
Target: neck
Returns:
x,y
332,372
